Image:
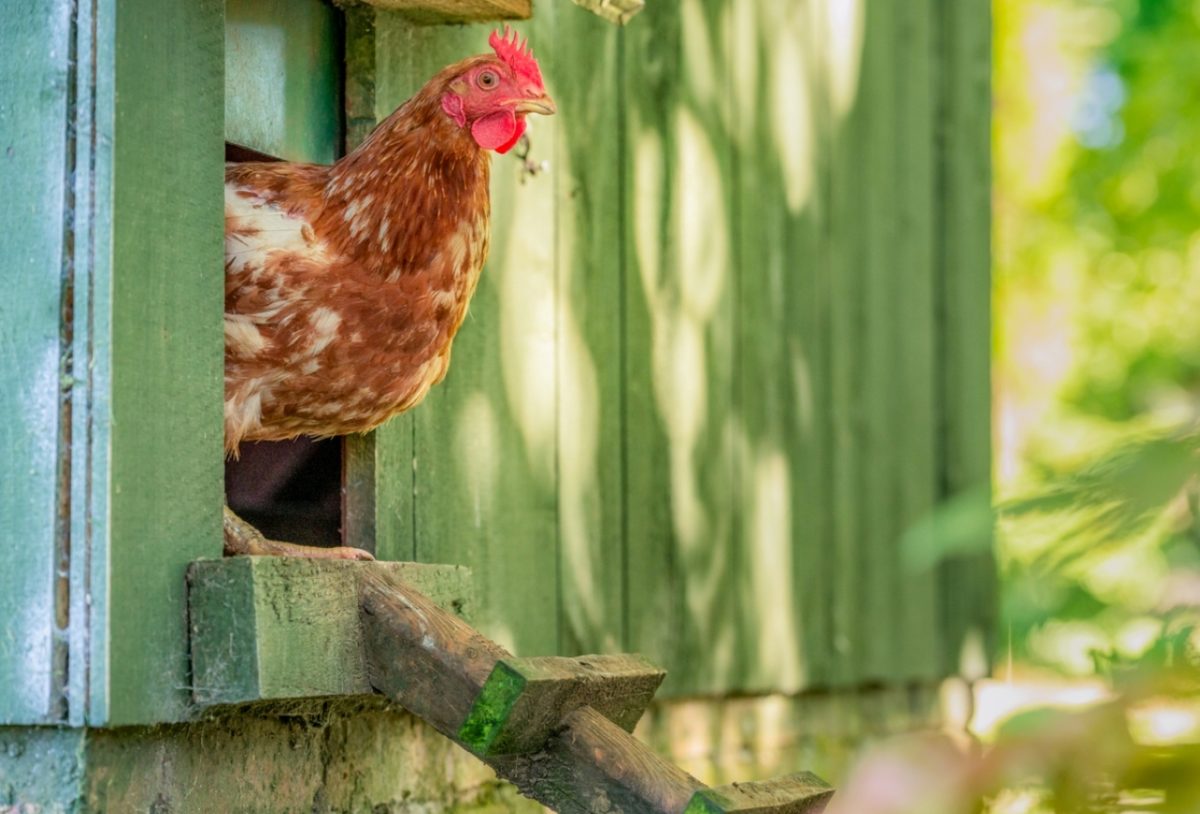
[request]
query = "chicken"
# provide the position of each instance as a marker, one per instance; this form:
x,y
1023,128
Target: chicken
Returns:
x,y
345,284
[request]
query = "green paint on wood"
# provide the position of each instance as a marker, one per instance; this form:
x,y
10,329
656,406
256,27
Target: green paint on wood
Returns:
x,y
166,352
282,78
36,156
360,754
963,41
800,793
279,627
474,465
589,283
917,353
701,393
492,708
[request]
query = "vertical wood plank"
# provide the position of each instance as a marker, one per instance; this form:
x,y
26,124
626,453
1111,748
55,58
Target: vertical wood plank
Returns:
x,y
964,307
847,257
914,360
775,122
879,467
166,349
35,156
377,477
586,174
680,295
815,528
484,441
282,75
649,61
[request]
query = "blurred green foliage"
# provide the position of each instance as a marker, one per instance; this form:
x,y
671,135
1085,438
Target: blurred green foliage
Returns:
x,y
1097,131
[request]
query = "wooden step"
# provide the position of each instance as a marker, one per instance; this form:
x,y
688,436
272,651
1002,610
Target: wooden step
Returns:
x,y
800,793
524,700
557,728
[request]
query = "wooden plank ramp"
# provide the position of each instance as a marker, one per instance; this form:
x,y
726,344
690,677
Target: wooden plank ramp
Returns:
x,y
559,729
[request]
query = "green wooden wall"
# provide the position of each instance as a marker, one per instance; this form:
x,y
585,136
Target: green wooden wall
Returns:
x,y
729,345
111,154
726,351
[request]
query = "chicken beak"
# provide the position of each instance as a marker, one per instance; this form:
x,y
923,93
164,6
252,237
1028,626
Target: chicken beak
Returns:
x,y
542,104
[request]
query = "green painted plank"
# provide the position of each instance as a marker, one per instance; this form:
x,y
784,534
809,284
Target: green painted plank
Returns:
x,y
484,443
649,58
812,437
166,350
35,156
880,469
915,424
377,511
847,256
964,42
680,292
775,126
590,407
284,627
282,78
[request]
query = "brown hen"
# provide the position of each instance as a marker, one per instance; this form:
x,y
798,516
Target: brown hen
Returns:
x,y
345,284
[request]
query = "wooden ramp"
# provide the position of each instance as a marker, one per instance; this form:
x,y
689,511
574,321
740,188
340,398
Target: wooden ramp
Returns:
x,y
558,728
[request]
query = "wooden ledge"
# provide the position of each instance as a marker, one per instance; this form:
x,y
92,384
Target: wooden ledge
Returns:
x,y
800,793
453,11
524,701
280,627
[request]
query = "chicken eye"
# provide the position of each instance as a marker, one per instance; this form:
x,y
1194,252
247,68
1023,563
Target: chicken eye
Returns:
x,y
488,80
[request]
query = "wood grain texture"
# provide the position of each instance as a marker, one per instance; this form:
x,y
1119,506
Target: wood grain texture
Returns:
x,y
776,205
166,351
277,627
281,78
846,249
525,700
454,11
650,87
36,157
429,661
584,170
877,629
679,300
917,352
593,764
800,793
963,41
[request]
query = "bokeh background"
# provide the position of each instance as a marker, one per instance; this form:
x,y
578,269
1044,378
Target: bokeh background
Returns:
x,y
1092,705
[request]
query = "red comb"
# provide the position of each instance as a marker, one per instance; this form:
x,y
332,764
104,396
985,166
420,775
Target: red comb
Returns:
x,y
517,55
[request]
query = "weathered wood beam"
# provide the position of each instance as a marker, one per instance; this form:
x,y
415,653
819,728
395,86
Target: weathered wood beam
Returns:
x,y
525,700
453,11
800,793
594,765
280,627
431,662
544,724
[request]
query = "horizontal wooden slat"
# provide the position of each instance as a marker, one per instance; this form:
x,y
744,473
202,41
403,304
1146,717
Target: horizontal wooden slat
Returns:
x,y
525,700
800,793
278,627
461,11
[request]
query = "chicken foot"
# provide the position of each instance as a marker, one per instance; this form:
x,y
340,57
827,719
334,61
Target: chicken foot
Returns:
x,y
243,538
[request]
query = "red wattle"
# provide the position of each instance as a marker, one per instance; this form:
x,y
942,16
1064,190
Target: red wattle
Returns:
x,y
496,130
516,136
